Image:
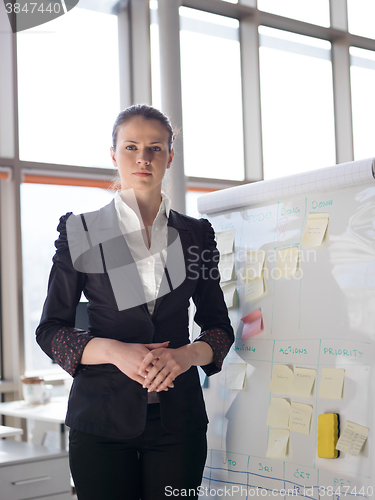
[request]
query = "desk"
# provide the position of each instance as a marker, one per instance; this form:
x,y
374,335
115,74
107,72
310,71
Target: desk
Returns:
x,y
53,411
33,472
6,431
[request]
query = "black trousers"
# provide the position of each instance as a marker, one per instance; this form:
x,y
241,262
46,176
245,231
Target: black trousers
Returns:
x,y
153,466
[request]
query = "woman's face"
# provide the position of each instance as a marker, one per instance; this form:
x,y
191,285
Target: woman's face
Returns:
x,y
142,154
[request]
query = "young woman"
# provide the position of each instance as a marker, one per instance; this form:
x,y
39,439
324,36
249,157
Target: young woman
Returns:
x,y
136,413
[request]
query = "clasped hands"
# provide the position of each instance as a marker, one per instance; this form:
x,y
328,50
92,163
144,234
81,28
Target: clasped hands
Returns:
x,y
155,366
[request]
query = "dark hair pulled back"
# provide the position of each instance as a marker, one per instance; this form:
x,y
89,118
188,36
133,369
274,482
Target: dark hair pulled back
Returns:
x,y
148,113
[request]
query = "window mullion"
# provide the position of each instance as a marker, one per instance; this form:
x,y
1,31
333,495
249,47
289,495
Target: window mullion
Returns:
x,y
11,278
171,95
249,3
10,216
124,46
341,83
339,14
7,89
249,39
140,51
342,101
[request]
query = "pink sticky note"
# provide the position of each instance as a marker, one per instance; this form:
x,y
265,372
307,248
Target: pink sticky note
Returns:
x,y
253,324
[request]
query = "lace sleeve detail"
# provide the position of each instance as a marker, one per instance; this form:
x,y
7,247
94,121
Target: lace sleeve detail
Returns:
x,y
220,343
67,348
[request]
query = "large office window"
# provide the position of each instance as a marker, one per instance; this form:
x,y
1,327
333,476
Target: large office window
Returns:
x,y
363,101
361,17
310,11
211,95
297,103
42,206
68,89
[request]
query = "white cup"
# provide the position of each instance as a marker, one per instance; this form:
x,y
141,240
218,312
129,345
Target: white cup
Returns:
x,y
33,389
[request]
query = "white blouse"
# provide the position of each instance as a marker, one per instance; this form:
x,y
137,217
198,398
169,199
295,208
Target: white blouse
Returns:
x,y
150,262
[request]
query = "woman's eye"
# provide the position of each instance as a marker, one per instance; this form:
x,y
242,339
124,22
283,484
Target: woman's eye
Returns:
x,y
130,148
155,148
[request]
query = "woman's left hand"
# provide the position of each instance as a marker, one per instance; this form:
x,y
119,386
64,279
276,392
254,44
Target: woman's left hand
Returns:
x,y
167,364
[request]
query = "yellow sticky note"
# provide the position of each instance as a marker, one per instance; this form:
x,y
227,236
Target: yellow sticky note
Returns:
x,y
282,377
287,262
226,268
277,443
235,376
225,241
278,413
300,418
254,289
315,230
352,438
229,292
253,265
303,382
331,383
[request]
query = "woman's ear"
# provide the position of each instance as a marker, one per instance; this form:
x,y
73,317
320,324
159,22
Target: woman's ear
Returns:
x,y
113,153
170,158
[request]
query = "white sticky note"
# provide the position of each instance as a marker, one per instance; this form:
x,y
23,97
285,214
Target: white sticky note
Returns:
x,y
226,268
230,293
287,262
235,376
225,241
282,377
352,438
300,418
315,230
278,413
277,443
253,265
303,382
331,383
254,289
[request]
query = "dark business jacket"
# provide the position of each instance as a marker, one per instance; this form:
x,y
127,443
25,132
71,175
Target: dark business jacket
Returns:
x,y
104,401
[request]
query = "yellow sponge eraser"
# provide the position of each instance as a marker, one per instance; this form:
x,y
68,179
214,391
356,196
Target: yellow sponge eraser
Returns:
x,y
328,434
